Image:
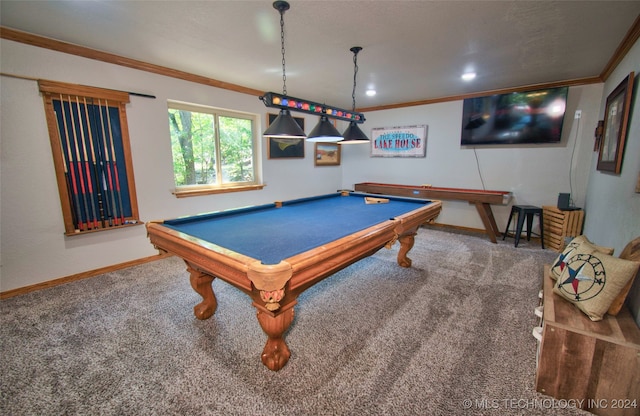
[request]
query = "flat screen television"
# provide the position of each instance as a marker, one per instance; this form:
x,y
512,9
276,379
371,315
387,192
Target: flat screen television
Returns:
x,y
514,118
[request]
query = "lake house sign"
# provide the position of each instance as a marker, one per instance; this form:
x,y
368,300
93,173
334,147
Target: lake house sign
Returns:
x,y
408,141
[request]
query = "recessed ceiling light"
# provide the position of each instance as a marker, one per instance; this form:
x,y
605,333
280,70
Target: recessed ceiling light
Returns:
x,y
468,76
370,93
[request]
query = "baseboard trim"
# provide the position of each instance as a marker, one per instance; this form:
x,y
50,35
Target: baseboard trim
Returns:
x,y
456,228
96,272
79,276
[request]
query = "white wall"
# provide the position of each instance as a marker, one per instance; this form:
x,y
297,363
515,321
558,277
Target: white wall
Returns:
x,y
534,173
612,203
33,248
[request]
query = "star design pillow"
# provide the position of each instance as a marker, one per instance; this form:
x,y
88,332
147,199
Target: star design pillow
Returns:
x,y
559,264
591,280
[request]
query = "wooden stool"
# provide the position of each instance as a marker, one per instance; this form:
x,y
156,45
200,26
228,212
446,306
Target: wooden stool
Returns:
x,y
523,211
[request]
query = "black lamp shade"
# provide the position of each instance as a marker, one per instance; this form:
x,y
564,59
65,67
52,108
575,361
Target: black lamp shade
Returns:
x,y
353,135
324,131
284,126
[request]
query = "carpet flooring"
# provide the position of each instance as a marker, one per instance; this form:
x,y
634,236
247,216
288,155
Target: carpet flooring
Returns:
x,y
449,336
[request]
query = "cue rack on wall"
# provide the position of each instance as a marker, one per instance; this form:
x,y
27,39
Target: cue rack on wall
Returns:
x,y
90,144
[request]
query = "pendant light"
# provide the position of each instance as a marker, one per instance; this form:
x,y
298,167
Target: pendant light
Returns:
x,y
353,134
284,126
324,131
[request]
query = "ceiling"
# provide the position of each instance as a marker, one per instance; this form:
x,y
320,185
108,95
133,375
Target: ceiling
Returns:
x,y
412,50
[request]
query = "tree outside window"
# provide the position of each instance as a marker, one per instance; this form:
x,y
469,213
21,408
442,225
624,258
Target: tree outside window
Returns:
x,y
211,147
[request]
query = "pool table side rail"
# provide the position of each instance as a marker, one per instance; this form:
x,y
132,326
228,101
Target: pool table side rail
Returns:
x,y
228,264
216,214
312,266
416,218
321,262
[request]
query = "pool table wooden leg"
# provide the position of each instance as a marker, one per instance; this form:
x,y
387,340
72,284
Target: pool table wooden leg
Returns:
x,y
276,352
406,244
201,283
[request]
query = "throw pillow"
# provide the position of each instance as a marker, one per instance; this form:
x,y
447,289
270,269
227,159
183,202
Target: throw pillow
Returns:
x,y
558,265
591,280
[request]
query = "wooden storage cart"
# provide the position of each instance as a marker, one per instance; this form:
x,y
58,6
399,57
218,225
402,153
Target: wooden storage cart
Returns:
x,y
560,224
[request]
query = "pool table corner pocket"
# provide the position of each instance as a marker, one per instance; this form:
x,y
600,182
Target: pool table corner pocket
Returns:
x,y
270,280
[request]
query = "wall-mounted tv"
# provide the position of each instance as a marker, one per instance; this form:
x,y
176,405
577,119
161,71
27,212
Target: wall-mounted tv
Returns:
x,y
514,118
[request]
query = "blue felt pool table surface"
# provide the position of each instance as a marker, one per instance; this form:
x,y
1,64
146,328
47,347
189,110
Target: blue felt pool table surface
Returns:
x,y
271,234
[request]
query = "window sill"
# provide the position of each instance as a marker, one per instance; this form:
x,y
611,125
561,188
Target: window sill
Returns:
x,y
210,191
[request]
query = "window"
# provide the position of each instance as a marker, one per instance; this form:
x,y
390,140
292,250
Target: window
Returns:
x,y
213,150
90,145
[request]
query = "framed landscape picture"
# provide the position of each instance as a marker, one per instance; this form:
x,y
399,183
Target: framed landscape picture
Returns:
x,y
327,154
285,148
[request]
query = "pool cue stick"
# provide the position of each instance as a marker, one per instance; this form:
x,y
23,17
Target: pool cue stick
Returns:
x,y
106,172
71,167
74,214
115,167
95,166
110,173
107,208
83,190
86,164
100,155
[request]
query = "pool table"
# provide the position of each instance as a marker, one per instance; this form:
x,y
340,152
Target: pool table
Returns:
x,y
274,252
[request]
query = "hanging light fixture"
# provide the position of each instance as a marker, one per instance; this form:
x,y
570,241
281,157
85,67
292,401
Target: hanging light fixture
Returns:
x,y
283,102
284,126
353,134
324,131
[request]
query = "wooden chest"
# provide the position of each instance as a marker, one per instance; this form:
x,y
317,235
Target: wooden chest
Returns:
x,y
597,363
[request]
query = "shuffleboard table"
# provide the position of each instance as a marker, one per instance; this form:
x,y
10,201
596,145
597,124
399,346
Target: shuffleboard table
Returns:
x,y
276,251
482,199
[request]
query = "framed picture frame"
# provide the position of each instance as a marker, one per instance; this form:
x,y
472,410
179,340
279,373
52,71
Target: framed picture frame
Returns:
x,y
616,119
327,154
285,148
